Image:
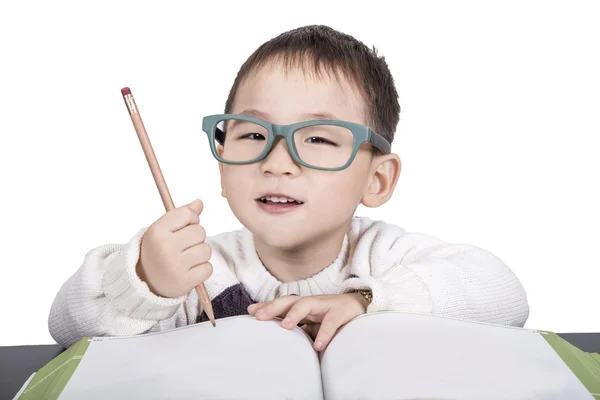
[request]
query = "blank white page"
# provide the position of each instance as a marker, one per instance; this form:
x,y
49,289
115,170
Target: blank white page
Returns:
x,y
392,355
240,358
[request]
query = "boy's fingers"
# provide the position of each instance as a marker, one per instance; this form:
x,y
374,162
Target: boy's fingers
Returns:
x,y
181,217
197,206
329,326
276,307
311,328
253,307
189,236
298,312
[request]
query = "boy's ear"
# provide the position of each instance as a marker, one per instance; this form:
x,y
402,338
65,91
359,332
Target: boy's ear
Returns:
x,y
220,153
385,171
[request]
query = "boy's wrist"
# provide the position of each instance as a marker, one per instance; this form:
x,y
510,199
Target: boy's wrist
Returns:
x,y
365,297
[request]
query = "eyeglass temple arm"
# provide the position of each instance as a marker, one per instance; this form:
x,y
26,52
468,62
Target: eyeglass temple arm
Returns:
x,y
220,136
380,142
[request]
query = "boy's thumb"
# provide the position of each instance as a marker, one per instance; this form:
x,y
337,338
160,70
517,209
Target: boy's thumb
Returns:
x,y
196,205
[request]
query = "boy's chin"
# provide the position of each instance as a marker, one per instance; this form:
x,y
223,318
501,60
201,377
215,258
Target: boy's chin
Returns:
x,y
286,236
279,242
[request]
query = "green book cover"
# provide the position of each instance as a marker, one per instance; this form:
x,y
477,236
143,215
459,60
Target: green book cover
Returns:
x,y
596,357
584,365
51,379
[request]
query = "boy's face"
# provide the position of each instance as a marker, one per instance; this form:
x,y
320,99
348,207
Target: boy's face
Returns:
x,y
329,198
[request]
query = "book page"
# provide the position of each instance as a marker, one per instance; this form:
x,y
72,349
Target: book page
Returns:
x,y
240,358
393,355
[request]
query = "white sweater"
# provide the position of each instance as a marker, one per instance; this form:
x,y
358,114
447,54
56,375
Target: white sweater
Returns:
x,y
411,272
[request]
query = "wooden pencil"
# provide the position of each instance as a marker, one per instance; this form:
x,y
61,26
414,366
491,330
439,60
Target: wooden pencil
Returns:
x,y
138,124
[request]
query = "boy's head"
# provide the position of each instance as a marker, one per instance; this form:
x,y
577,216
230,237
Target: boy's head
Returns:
x,y
311,73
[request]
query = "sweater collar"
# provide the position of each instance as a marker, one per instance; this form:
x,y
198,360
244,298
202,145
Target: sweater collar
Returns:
x,y
261,284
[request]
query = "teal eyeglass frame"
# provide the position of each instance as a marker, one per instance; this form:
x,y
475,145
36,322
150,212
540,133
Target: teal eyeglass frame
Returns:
x,y
361,134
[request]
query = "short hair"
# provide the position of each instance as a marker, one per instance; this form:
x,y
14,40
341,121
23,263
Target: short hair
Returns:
x,y
334,51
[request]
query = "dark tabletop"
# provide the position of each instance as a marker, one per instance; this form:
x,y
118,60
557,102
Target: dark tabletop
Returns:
x,y
17,363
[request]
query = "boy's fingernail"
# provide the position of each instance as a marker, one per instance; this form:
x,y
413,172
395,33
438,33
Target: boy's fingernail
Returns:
x,y
286,321
319,344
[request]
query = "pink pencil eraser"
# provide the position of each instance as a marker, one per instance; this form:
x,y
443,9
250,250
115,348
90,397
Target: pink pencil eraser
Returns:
x,y
125,91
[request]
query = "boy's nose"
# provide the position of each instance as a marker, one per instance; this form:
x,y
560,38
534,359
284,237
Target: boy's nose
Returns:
x,y
279,161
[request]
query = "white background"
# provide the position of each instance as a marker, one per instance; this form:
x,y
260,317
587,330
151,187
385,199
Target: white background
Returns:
x,y
498,133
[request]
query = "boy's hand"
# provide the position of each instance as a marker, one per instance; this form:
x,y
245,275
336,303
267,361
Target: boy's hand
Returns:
x,y
323,315
173,256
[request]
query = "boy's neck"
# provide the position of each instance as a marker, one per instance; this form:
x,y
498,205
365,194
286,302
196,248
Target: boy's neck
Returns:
x,y
302,262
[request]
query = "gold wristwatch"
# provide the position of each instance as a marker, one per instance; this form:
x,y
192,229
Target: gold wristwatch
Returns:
x,y
367,294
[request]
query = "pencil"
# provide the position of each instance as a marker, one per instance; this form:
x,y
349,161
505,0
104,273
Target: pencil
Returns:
x,y
134,113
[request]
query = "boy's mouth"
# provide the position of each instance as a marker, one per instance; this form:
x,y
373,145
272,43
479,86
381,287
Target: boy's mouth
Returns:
x,y
279,200
278,204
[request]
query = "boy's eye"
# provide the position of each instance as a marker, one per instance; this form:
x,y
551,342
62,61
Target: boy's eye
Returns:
x,y
253,136
318,139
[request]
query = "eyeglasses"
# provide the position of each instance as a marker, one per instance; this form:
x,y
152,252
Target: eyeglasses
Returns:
x,y
327,145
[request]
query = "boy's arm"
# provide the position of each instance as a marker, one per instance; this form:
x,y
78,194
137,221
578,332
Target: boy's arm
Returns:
x,y
416,272
105,297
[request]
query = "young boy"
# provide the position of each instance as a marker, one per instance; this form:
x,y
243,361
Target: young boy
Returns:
x,y
302,254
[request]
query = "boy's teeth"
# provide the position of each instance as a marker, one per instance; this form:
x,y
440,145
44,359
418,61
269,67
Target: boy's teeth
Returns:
x,y
276,199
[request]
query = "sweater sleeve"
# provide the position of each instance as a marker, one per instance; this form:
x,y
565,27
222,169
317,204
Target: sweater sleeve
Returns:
x,y
105,297
415,272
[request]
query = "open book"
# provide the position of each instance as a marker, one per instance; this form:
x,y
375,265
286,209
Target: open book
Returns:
x,y
386,355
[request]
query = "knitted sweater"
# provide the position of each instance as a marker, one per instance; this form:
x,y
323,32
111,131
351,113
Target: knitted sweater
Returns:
x,y
406,271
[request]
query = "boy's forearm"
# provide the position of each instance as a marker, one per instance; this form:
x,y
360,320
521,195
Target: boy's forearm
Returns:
x,y
105,297
474,284
73,316
423,274
472,290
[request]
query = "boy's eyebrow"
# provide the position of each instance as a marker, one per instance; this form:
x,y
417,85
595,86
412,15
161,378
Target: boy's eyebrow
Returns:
x,y
319,115
251,112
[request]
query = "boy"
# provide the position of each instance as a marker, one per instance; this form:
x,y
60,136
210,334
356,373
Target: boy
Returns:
x,y
302,254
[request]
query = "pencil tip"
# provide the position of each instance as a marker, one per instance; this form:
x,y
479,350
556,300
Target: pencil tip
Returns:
x,y
215,325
